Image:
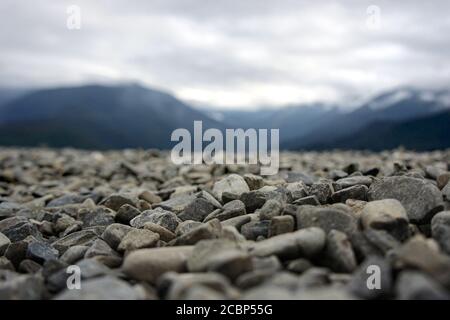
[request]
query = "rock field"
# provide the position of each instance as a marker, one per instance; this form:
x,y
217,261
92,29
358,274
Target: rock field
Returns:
x,y
138,227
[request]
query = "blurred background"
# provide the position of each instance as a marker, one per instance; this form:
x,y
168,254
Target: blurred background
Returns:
x,y
124,74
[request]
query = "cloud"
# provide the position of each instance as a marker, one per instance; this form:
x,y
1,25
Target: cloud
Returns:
x,y
229,52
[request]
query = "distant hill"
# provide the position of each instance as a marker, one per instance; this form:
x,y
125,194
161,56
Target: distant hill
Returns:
x,y
420,134
394,106
95,116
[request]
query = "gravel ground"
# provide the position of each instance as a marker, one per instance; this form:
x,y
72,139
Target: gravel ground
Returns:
x,y
336,225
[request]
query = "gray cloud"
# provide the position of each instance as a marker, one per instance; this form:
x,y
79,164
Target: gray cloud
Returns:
x,y
229,52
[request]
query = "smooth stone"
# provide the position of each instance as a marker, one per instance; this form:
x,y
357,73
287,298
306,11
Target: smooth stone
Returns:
x,y
234,208
114,234
280,225
299,265
164,234
326,219
126,213
239,221
413,285
365,274
99,248
339,253
115,201
270,209
302,243
388,214
440,230
74,254
22,287
138,239
104,288
354,181
150,264
420,198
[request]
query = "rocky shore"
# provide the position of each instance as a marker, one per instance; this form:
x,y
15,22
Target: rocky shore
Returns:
x,y
331,225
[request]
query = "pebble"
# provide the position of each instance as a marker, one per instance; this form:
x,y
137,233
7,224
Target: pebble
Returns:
x,y
233,183
126,213
339,252
281,224
440,229
358,192
326,219
138,239
164,218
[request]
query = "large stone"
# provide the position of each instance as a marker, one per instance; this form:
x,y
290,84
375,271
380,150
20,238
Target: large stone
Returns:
x,y
83,237
126,213
302,243
164,234
413,285
271,208
440,229
41,252
114,234
420,198
326,219
138,239
388,215
197,210
150,264
233,183
4,243
358,192
253,200
339,252
104,288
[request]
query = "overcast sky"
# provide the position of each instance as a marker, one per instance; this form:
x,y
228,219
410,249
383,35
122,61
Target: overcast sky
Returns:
x,y
230,53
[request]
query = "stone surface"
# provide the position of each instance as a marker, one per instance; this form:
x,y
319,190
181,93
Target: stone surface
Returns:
x,y
149,264
164,218
138,239
420,198
326,219
232,183
440,229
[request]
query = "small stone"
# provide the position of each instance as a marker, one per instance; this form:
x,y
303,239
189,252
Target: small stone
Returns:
x,y
233,183
440,229
339,252
299,265
150,264
4,243
99,248
298,190
326,219
5,264
29,266
413,285
197,210
164,234
70,198
18,229
150,197
103,288
442,180
114,234
254,182
239,221
177,204
358,192
97,217
138,239
270,209
126,213
158,216
231,233
253,200
388,214
115,201
230,210
381,239
354,181
420,198
309,200
210,230
253,229
41,252
16,252
446,192
302,243
280,225
322,191
186,226
74,254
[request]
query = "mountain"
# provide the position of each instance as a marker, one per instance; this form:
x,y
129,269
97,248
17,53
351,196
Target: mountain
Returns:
x,y
421,134
95,116
9,94
293,121
394,106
